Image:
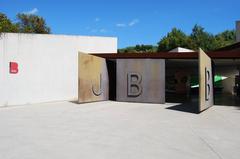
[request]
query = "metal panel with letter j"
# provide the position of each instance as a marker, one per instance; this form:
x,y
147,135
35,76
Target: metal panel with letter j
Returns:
x,y
92,78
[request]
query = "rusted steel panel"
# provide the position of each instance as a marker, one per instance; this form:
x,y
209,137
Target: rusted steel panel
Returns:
x,y
161,55
170,55
93,83
206,81
141,80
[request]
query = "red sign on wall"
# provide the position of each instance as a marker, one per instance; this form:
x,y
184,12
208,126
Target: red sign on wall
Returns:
x,y
13,67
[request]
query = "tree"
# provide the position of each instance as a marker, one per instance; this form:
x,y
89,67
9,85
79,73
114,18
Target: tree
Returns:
x,y
6,25
144,48
130,49
29,23
201,39
175,38
225,38
138,49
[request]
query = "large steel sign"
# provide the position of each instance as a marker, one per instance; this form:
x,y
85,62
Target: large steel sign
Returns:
x,y
205,81
141,80
93,81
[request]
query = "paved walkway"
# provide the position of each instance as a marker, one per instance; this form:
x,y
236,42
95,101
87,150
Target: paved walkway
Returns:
x,y
114,130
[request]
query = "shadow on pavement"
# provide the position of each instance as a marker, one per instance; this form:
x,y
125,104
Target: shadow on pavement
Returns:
x,y
188,107
188,104
191,105
74,101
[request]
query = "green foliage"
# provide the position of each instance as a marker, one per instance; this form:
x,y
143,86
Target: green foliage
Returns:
x,y
138,49
175,38
145,48
127,50
27,23
225,38
6,25
199,38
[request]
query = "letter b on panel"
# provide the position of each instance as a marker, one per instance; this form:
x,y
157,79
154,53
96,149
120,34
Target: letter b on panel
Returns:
x,y
92,78
134,84
208,81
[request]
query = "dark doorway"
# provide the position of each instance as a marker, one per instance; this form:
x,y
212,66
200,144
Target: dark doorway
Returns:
x,y
181,80
111,66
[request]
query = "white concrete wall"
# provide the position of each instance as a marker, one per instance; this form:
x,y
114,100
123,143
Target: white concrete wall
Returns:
x,y
47,66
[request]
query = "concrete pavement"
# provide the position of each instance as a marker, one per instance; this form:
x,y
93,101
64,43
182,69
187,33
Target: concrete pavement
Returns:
x,y
107,130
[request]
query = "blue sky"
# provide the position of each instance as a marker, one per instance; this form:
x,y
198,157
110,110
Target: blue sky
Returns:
x,y
132,21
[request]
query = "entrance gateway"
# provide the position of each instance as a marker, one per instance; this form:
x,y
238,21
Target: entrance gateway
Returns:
x,y
137,80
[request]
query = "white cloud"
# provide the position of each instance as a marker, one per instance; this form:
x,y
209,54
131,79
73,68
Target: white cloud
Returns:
x,y
133,22
97,19
121,25
130,24
33,11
